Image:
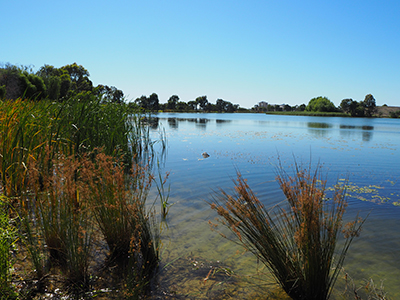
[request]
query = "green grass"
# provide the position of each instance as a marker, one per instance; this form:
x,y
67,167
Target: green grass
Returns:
x,y
308,113
8,236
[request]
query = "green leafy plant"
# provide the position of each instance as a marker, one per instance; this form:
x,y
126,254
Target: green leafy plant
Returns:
x,y
296,242
163,194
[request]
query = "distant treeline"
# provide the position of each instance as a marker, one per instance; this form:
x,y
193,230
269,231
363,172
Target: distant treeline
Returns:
x,y
63,83
201,103
323,105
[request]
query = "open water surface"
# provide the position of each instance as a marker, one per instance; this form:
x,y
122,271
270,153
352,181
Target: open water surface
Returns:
x,y
366,151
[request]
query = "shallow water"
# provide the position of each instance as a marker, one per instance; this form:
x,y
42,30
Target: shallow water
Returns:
x,y
367,151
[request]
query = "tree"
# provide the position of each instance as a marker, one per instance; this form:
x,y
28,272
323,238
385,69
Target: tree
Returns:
x,y
110,94
79,78
153,102
202,102
150,103
345,105
302,107
225,106
320,104
287,107
65,84
369,105
142,102
182,106
172,102
192,105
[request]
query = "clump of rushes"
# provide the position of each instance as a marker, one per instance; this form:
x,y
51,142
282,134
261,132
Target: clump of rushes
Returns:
x,y
23,129
63,223
119,206
297,242
118,203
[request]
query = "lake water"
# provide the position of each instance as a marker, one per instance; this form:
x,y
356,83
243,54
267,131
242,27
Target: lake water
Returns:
x,y
367,151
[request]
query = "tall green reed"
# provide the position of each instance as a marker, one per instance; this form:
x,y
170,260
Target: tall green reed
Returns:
x,y
296,242
23,131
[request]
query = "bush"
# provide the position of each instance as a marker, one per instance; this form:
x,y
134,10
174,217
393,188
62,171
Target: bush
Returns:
x,y
296,243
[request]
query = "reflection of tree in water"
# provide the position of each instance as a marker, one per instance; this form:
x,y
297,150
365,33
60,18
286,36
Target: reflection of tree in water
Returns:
x,y
318,125
317,128
202,123
222,122
153,122
351,130
173,123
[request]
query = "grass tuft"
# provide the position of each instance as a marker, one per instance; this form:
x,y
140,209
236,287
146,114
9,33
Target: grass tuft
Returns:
x,y
296,242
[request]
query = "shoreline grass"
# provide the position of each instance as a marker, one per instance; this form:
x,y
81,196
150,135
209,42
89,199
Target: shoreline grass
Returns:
x,y
297,242
309,113
53,164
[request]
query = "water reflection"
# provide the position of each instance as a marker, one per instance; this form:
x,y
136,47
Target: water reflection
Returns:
x,y
318,128
152,121
366,131
318,125
222,122
173,123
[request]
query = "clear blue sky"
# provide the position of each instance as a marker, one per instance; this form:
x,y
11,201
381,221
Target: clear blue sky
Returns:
x,y
240,51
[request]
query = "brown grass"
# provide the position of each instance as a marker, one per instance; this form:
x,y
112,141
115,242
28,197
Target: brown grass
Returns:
x,y
296,242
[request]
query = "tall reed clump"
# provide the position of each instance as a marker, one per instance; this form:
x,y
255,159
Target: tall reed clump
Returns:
x,y
59,207
296,242
7,238
24,129
87,124
128,227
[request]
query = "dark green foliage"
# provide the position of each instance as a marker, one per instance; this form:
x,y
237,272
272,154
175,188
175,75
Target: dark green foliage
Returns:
x,y
172,102
53,83
225,106
359,109
321,104
109,94
395,114
150,103
3,91
369,105
202,102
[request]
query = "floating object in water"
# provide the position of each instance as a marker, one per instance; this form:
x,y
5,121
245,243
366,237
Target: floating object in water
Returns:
x,y
205,154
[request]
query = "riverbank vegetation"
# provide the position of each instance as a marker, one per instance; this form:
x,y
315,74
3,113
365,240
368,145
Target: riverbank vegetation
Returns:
x,y
75,176
76,219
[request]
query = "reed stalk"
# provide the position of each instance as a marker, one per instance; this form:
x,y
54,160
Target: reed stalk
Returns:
x,y
296,242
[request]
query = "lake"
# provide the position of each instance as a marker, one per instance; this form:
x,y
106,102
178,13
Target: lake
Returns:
x,y
366,151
